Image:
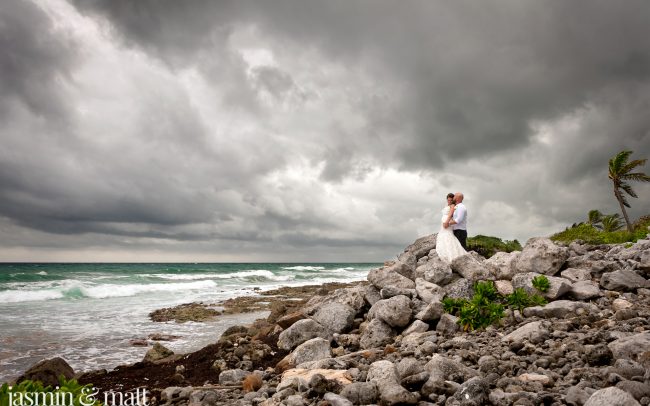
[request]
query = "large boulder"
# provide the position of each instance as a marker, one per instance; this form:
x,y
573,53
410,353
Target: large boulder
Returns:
x,y
611,396
584,290
386,276
353,296
336,317
460,289
376,334
469,268
623,280
311,350
428,291
527,332
158,352
543,256
301,331
48,371
632,347
502,265
435,270
431,312
557,288
396,311
576,274
422,246
384,375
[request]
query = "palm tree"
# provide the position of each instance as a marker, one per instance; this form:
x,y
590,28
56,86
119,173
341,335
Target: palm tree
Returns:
x,y
620,172
594,218
612,222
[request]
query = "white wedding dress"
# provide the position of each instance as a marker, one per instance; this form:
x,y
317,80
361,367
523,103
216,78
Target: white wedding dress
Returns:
x,y
447,245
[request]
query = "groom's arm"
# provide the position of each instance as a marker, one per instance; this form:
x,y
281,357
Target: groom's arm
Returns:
x,y
459,214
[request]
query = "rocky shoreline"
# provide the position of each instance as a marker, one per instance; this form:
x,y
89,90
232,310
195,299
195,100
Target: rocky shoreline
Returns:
x,y
390,341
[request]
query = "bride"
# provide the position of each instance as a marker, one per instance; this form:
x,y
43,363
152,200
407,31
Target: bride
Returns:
x,y
447,245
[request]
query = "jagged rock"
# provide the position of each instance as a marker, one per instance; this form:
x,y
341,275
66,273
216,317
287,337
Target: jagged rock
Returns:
x,y
383,277
447,325
611,396
301,331
623,280
158,352
460,289
384,375
422,246
504,287
376,334
350,341
527,332
392,291
469,268
371,295
431,312
631,347
335,317
502,265
361,393
336,400
584,290
352,296
396,311
311,350
638,390
418,326
414,340
474,392
576,274
435,270
428,291
557,288
232,376
441,370
408,366
560,309
620,304
541,255
576,396
48,371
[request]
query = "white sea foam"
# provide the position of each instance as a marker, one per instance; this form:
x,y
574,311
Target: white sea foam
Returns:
x,y
103,291
304,268
13,296
41,273
252,273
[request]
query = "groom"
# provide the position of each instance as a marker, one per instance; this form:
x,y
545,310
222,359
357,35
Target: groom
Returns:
x,y
459,221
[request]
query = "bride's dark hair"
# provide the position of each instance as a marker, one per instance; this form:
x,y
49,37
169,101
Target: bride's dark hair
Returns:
x,y
450,195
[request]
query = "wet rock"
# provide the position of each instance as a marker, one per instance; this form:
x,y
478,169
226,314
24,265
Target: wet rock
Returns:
x,y
48,371
541,255
470,268
376,334
557,288
335,317
502,265
623,280
396,311
158,352
300,332
611,396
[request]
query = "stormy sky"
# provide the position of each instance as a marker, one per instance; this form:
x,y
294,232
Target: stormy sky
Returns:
x,y
303,130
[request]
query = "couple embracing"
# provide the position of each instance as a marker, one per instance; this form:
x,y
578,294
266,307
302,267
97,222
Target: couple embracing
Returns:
x,y
452,237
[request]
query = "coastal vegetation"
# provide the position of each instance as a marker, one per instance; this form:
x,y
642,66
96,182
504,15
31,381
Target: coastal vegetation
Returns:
x,y
488,245
595,232
621,173
68,393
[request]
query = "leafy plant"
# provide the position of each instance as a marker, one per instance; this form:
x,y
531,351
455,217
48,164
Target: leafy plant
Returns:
x,y
612,223
541,283
70,392
594,218
620,172
488,245
453,306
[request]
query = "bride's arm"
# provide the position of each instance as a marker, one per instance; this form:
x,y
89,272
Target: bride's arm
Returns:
x,y
451,213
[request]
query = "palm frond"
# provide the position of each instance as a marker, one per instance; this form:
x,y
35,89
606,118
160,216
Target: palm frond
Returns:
x,y
616,163
633,164
636,176
627,188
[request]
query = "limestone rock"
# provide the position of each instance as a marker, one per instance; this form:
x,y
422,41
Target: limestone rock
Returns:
x,y
384,375
460,289
631,347
560,309
557,288
502,265
382,277
396,311
611,396
542,255
435,270
301,331
469,268
48,371
428,291
527,331
447,325
376,334
311,350
576,274
361,393
584,290
335,317
623,280
232,376
473,392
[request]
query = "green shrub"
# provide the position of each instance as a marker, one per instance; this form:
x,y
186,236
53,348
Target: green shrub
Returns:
x,y
69,392
592,235
520,299
488,246
541,283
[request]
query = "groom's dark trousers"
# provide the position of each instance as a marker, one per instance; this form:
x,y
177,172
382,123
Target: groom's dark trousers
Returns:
x,y
462,237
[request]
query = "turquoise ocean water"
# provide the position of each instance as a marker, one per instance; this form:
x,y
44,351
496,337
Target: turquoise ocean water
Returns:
x,y
88,313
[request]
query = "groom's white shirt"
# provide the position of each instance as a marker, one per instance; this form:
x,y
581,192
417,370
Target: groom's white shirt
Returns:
x,y
460,217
